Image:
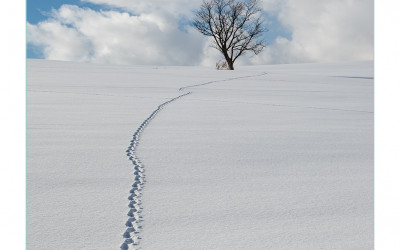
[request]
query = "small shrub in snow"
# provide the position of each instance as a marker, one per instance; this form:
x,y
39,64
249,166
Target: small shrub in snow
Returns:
x,y
221,65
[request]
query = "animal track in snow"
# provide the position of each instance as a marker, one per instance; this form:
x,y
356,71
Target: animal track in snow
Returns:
x,y
224,80
133,227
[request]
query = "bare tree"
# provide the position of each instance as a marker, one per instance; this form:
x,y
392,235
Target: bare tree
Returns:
x,y
235,25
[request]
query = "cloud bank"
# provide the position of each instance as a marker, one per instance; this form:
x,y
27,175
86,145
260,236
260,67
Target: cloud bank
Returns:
x,y
322,30
82,34
157,32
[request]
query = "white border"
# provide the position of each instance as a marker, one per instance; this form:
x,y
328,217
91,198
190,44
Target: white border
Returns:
x,y
12,125
387,125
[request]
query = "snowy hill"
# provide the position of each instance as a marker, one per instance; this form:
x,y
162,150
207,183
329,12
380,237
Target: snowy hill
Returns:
x,y
263,157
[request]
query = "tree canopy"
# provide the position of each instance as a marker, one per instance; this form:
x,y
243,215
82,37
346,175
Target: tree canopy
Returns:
x,y
235,25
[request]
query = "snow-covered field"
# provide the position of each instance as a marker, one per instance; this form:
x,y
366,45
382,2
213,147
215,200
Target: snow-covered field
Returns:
x,y
263,157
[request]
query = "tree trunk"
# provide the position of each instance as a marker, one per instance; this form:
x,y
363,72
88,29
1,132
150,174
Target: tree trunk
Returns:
x,y
227,58
230,64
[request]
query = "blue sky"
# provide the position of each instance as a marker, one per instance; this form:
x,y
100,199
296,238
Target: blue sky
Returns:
x,y
60,30
38,10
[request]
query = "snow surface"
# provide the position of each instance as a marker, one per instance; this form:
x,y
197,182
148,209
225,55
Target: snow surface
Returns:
x,y
263,157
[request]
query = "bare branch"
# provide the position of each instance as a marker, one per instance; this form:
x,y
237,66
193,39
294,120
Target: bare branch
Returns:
x,y
235,26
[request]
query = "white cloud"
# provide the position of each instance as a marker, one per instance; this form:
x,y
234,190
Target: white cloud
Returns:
x,y
82,34
58,41
322,30
177,7
150,32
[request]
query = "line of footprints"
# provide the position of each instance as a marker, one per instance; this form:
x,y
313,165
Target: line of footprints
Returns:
x,y
131,235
